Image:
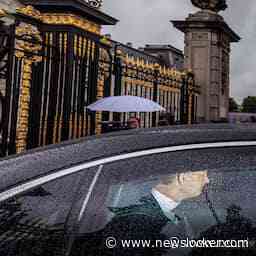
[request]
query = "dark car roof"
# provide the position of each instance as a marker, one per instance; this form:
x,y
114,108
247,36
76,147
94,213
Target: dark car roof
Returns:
x,y
35,163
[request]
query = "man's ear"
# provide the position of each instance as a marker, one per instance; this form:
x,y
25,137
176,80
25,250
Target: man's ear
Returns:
x,y
162,188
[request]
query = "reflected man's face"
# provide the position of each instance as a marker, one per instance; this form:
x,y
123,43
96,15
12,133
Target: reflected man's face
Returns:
x,y
184,185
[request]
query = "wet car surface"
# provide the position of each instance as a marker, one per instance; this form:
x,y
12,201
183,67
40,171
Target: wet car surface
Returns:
x,y
189,183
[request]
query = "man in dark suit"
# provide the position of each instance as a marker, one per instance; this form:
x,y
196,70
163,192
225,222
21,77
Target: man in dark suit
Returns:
x,y
143,221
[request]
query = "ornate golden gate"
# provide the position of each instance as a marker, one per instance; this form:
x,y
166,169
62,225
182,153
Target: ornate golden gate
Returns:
x,y
52,66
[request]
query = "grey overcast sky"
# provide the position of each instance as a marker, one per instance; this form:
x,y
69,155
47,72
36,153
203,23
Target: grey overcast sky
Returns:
x,y
148,21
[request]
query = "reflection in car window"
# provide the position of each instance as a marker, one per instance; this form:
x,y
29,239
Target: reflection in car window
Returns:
x,y
203,204
33,223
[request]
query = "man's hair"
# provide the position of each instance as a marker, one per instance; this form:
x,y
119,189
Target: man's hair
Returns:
x,y
169,179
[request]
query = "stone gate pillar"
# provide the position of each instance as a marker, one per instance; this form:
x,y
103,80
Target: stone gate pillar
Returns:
x,y
207,53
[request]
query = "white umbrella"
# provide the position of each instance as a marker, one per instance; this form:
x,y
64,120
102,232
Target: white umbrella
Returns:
x,y
124,104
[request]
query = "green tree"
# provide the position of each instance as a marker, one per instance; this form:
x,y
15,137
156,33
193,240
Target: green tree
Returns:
x,y
249,104
233,106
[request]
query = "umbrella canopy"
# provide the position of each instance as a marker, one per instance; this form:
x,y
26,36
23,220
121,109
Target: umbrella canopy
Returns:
x,y
122,104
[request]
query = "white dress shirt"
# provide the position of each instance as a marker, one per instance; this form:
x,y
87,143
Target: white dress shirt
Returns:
x,y
166,204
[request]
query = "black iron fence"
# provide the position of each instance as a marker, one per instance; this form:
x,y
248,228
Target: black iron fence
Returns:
x,y
172,89
50,73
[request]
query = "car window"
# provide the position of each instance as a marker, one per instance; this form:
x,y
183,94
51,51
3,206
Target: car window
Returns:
x,y
189,196
33,223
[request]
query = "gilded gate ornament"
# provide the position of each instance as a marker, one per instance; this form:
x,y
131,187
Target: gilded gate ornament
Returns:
x,y
60,19
28,40
29,11
28,45
94,3
212,5
3,13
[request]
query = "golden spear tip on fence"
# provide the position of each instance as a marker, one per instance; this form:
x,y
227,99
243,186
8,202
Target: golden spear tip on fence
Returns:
x,y
130,60
119,53
146,64
165,70
142,64
3,13
137,62
156,66
126,58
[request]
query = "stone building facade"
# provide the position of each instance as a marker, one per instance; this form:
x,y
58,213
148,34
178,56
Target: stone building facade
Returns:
x,y
168,54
